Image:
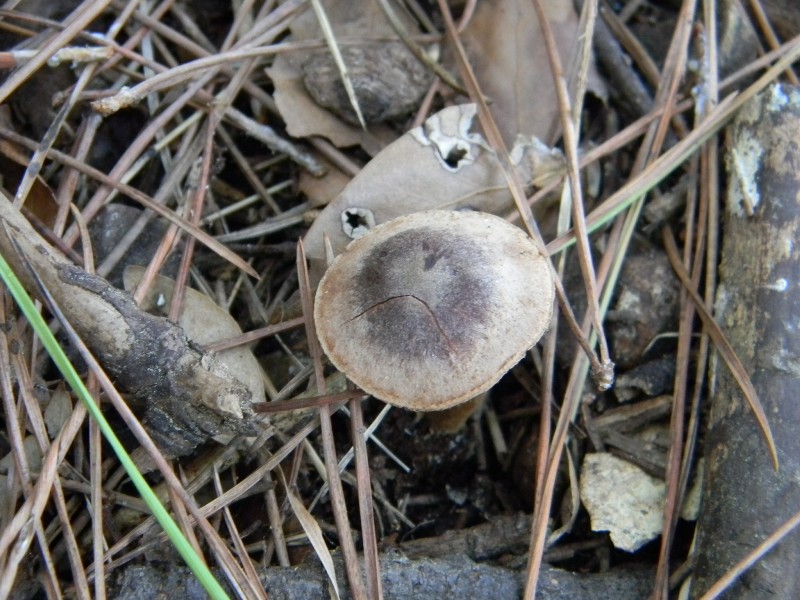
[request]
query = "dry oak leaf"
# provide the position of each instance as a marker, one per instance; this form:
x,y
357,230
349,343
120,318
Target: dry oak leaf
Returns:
x,y
506,50
442,165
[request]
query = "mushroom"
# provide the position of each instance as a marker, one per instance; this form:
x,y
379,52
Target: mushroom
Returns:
x,y
430,309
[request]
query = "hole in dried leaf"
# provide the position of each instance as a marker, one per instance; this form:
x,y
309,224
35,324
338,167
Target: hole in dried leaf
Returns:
x,y
357,221
454,156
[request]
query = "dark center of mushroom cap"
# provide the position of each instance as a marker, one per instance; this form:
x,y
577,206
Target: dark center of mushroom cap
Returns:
x,y
425,292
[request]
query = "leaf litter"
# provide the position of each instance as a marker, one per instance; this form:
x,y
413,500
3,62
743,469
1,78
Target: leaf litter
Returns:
x,y
422,148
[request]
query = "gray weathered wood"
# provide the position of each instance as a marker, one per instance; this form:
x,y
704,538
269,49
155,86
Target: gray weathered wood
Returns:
x,y
758,306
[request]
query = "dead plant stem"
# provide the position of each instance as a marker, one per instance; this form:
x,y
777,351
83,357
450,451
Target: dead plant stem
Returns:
x,y
604,377
74,24
514,185
331,463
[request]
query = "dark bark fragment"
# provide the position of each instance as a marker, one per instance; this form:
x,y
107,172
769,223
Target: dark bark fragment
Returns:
x,y
403,579
187,396
448,566
646,305
758,305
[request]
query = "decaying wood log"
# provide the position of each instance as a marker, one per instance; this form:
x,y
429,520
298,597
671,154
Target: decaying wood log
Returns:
x,y
187,396
422,569
758,305
403,579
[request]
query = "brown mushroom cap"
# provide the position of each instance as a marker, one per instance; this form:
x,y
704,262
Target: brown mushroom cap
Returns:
x,y
429,309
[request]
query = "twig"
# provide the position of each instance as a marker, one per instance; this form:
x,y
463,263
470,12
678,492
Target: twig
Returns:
x,y
604,376
515,186
77,21
334,481
135,194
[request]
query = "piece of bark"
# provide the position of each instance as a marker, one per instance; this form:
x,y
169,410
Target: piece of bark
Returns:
x,y
624,84
403,579
502,535
447,566
646,305
459,577
651,378
186,396
629,417
758,306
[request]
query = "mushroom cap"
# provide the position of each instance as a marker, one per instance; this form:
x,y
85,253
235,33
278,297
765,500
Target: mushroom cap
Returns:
x,y
432,308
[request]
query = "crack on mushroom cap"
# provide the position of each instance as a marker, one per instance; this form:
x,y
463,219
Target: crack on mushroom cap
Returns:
x,y
405,320
445,272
